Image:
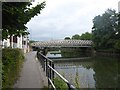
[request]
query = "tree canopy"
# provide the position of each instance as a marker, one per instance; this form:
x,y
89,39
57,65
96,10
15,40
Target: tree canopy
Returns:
x,y
76,37
105,30
67,38
15,16
84,36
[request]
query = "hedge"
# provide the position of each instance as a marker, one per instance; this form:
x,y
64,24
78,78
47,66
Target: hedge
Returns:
x,y
12,60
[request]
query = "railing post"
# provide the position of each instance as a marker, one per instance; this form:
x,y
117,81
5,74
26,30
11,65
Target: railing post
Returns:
x,y
69,88
48,76
50,63
42,61
46,67
44,64
53,72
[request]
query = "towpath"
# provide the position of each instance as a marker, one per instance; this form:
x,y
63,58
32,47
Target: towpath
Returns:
x,y
32,75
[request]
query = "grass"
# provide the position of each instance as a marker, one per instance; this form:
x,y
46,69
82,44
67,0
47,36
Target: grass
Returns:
x,y
60,84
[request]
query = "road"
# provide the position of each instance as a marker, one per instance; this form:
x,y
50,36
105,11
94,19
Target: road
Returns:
x,y
32,75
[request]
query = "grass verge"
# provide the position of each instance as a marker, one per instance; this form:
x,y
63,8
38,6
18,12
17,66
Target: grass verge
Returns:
x,y
12,60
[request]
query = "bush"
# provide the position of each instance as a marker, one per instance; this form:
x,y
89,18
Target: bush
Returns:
x,y
12,60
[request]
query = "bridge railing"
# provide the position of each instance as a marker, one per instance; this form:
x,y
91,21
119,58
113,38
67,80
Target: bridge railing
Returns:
x,y
48,67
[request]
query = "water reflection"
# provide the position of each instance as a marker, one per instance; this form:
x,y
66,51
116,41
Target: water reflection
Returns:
x,y
54,54
106,72
95,72
76,72
98,72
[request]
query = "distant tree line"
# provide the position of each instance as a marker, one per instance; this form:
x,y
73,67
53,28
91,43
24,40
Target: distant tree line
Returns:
x,y
105,31
84,36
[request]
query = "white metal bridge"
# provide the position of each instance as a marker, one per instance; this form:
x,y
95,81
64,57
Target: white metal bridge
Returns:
x,y
63,43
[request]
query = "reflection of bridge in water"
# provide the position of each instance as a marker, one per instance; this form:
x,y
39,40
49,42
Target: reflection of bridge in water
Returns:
x,y
63,43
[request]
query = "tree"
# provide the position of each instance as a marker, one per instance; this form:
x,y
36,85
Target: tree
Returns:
x,y
76,37
104,29
67,38
117,44
86,36
15,16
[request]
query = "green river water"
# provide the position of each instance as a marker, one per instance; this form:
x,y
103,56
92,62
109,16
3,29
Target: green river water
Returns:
x,y
93,72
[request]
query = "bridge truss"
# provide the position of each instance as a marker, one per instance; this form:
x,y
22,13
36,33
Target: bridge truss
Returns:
x,y
63,43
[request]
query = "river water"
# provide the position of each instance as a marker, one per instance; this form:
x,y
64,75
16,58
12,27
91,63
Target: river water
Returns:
x,y
86,71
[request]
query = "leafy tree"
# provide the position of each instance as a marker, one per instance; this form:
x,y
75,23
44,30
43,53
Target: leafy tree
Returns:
x,y
119,24
15,16
86,36
76,37
117,44
104,29
67,38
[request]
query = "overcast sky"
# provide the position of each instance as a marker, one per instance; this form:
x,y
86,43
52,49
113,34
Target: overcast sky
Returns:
x,y
62,18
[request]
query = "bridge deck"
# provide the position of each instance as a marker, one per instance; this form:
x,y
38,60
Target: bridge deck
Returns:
x,y
32,75
63,43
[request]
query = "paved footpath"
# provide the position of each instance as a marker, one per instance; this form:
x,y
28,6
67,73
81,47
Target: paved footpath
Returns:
x,y
32,75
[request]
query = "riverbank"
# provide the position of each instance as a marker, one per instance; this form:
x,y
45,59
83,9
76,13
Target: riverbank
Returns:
x,y
107,52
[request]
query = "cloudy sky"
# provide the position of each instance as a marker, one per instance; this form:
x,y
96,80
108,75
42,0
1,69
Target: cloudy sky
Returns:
x,y
62,18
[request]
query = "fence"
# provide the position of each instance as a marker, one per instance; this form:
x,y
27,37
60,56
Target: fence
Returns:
x,y
48,67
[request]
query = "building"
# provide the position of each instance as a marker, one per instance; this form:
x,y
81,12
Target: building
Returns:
x,y
21,42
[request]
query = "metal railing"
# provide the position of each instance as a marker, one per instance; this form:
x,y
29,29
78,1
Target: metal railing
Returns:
x,y
48,67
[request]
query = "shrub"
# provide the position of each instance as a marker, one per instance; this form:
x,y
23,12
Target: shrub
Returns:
x,y
12,60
